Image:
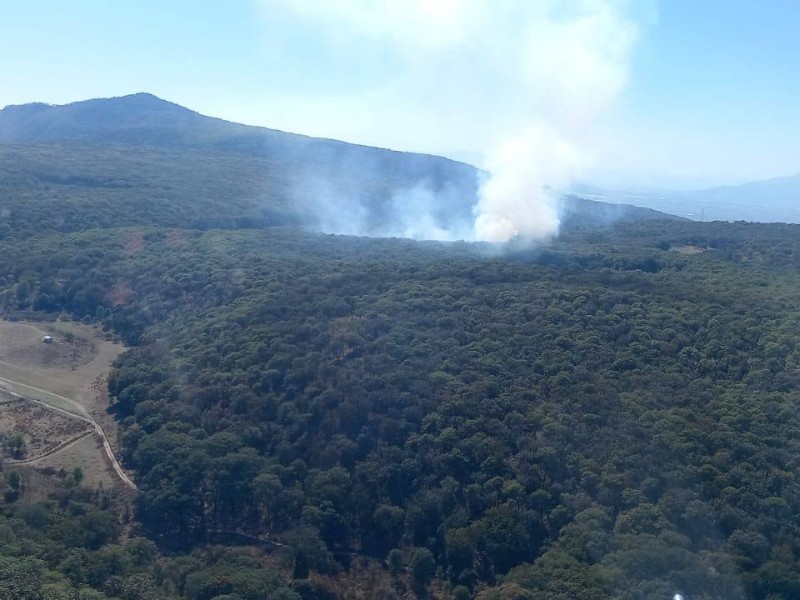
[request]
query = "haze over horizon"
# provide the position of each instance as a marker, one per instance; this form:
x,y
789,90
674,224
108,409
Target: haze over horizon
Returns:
x,y
710,95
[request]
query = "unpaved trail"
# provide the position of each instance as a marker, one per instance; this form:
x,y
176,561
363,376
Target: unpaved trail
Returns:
x,y
58,404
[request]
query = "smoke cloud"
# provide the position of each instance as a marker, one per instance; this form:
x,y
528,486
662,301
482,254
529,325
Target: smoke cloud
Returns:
x,y
523,82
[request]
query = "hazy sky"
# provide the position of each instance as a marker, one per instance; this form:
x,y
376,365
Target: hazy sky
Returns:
x,y
708,90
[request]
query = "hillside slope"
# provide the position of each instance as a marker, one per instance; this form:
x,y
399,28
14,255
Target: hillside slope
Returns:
x,y
139,160
235,173
609,418
612,416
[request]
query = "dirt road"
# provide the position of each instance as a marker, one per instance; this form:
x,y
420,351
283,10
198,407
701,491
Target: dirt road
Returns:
x,y
68,407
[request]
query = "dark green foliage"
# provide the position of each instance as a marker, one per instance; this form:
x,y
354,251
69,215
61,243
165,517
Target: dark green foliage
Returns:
x,y
395,562
310,590
21,578
461,592
606,419
14,480
66,547
237,577
77,475
423,566
70,547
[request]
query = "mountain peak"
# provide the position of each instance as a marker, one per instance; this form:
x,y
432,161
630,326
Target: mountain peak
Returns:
x,y
25,109
124,118
143,100
143,96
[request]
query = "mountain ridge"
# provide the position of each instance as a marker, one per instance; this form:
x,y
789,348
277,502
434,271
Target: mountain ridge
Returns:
x,y
9,130
764,201
191,170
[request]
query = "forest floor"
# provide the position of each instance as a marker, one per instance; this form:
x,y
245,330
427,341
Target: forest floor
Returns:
x,y
62,397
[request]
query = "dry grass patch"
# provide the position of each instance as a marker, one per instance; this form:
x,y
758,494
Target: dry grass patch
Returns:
x,y
688,249
74,366
39,429
87,453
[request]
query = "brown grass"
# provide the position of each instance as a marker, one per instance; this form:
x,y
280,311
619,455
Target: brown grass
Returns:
x,y
42,429
76,369
75,365
688,249
87,453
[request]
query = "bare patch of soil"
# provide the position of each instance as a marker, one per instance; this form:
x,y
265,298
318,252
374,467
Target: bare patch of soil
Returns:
x,y
688,249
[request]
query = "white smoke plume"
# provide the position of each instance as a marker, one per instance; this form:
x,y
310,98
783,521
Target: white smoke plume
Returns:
x,y
522,81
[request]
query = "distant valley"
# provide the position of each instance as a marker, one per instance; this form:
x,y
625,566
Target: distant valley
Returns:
x,y
769,201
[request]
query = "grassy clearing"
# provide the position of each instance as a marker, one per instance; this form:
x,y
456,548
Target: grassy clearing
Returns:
x,y
39,395
87,453
68,376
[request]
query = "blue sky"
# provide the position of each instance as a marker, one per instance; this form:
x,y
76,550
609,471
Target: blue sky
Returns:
x,y
711,95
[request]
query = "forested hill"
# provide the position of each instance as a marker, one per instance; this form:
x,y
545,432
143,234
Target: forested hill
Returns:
x,y
144,119
142,161
614,416
149,161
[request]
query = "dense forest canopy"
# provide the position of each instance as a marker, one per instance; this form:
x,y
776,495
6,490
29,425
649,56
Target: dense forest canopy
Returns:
x,y
611,416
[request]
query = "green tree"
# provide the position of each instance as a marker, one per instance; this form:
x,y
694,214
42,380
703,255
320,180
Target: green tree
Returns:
x,y
77,475
423,566
395,562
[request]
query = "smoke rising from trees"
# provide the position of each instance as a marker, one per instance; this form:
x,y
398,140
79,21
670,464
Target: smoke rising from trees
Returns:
x,y
523,81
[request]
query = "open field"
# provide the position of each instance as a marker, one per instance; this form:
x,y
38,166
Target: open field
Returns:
x,y
86,453
41,429
75,365
67,367
63,384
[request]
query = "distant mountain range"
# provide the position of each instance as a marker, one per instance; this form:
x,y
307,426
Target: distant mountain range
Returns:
x,y
139,160
771,200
